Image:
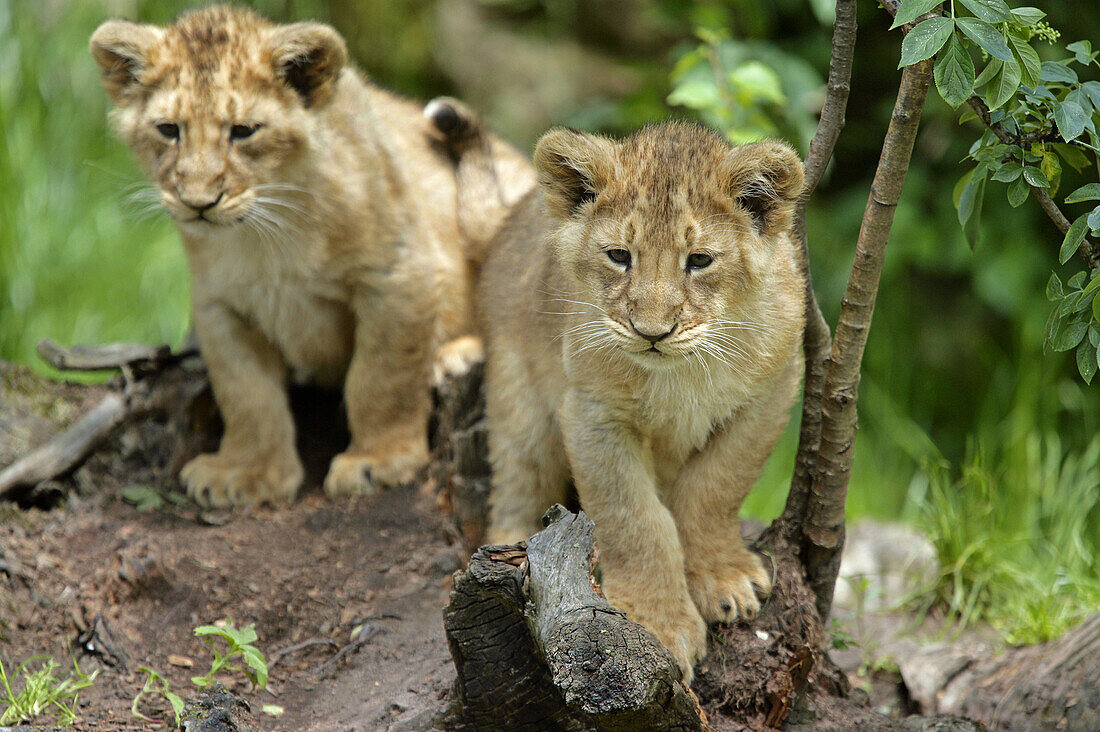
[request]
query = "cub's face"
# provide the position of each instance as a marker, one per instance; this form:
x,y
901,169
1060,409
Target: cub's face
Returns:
x,y
668,237
219,107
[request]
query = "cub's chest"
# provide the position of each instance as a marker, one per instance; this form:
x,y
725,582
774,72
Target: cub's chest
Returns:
x,y
300,309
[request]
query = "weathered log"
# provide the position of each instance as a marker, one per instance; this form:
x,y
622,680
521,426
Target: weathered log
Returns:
x,y
1054,685
536,647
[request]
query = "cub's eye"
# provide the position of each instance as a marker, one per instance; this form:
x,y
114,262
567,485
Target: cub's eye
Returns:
x,y
619,256
169,129
242,132
698,260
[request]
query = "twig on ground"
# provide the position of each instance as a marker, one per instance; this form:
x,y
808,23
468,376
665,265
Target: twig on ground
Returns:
x,y
367,632
278,656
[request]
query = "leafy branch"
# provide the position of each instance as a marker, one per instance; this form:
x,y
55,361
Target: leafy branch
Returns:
x,y
1038,116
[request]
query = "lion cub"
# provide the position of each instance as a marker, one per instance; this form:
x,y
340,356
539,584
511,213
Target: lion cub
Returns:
x,y
644,319
318,214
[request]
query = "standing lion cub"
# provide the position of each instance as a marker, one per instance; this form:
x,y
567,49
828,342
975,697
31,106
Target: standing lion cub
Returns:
x,y
319,217
644,320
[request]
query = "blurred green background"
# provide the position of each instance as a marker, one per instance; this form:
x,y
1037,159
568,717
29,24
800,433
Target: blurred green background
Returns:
x,y
960,411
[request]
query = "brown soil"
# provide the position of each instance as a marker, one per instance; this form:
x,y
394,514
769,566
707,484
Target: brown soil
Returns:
x,y
313,570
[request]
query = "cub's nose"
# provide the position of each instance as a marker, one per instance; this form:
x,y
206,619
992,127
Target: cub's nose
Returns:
x,y
652,336
201,205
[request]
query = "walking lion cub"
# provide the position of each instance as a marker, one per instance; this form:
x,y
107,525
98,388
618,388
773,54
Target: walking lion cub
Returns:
x,y
644,317
318,213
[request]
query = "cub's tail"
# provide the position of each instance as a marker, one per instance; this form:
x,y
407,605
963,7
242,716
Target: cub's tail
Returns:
x,y
491,176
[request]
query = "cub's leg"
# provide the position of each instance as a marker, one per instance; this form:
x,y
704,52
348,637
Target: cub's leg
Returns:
x,y
640,553
386,393
723,576
530,470
257,460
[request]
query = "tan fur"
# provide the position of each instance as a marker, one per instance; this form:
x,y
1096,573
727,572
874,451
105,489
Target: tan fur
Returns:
x,y
662,446
330,251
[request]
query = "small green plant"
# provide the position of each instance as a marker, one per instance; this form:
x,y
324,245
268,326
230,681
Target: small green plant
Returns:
x,y
156,684
238,643
43,692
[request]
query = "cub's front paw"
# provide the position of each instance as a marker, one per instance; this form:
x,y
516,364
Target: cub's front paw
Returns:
x,y
724,590
352,474
455,358
677,625
218,481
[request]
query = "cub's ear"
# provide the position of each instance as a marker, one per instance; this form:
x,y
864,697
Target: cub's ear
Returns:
x,y
573,168
765,178
121,49
308,57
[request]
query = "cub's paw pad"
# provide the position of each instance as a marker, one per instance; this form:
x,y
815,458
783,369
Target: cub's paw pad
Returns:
x,y
455,358
726,593
354,475
213,481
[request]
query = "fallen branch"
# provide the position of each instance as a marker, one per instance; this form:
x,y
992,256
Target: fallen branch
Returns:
x,y
536,647
110,356
65,451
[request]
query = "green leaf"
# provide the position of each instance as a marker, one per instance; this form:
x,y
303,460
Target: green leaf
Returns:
x,y
1071,120
1069,336
143,497
1086,361
1096,314
970,207
925,39
1073,157
1089,192
1017,192
1028,58
1092,89
1003,86
991,69
954,73
1008,172
209,630
991,11
1028,15
1081,50
1051,168
1094,219
911,9
1074,237
1057,73
985,36
696,94
1094,331
1054,288
1035,177
1075,282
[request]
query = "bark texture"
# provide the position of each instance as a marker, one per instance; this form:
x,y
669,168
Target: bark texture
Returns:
x,y
816,340
537,647
823,524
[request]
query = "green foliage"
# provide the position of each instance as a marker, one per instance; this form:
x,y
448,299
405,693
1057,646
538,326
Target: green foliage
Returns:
x,y
1017,543
1044,111
43,692
748,90
155,684
238,643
